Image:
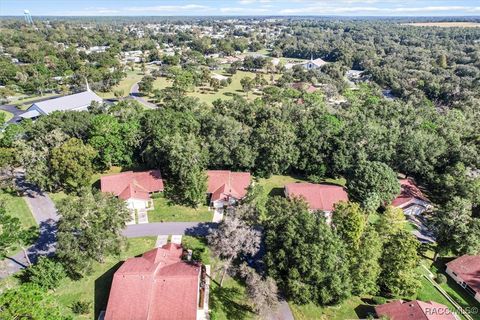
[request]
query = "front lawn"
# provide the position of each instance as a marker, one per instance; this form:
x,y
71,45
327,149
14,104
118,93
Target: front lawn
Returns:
x,y
165,212
95,288
352,308
16,206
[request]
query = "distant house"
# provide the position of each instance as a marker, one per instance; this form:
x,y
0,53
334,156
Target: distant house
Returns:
x,y
465,270
411,200
314,64
158,285
319,197
227,188
414,310
133,187
74,102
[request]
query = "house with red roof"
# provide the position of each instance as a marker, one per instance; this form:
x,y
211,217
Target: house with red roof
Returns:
x,y
226,188
411,199
157,285
319,197
133,187
414,310
465,270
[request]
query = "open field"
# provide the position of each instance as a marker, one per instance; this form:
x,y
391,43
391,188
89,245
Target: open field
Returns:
x,y
165,212
208,95
446,24
124,85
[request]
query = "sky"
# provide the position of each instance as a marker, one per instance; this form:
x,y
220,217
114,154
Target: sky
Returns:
x,y
241,7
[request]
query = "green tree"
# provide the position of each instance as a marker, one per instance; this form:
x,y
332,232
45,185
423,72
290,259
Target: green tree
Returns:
x,y
391,221
308,260
373,180
72,164
247,84
185,169
456,228
29,301
399,262
46,273
89,229
365,263
12,234
349,222
275,142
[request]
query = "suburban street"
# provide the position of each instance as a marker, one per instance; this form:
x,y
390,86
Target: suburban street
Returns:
x,y
135,94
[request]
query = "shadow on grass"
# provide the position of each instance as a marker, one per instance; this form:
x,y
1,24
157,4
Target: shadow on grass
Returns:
x,y
102,289
363,311
223,299
277,192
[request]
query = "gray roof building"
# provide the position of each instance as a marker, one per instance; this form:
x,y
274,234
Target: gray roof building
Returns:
x,y
74,102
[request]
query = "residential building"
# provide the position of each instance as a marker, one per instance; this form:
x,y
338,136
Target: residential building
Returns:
x,y
411,200
226,188
414,310
319,197
314,64
133,187
465,270
158,285
74,102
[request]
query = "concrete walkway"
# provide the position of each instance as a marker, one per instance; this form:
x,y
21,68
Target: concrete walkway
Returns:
x,y
283,312
135,94
217,215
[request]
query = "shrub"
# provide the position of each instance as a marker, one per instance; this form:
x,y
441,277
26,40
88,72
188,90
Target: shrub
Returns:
x,y
81,307
46,273
379,300
441,278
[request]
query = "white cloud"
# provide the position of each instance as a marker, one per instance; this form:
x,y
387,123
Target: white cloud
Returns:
x,y
186,7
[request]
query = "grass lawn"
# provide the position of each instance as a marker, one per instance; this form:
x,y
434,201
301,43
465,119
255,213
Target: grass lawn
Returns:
x,y
8,115
96,287
352,308
125,84
27,100
16,206
163,211
199,247
207,95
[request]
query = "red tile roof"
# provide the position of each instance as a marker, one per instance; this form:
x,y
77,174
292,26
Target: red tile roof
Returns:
x,y
414,310
223,184
318,196
158,285
467,268
129,184
409,192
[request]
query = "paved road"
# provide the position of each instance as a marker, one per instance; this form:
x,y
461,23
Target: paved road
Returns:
x,y
283,312
45,214
136,95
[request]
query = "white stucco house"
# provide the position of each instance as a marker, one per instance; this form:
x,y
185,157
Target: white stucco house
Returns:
x,y
226,188
134,187
313,64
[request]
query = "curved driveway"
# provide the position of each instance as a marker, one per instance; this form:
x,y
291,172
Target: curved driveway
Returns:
x,y
135,94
